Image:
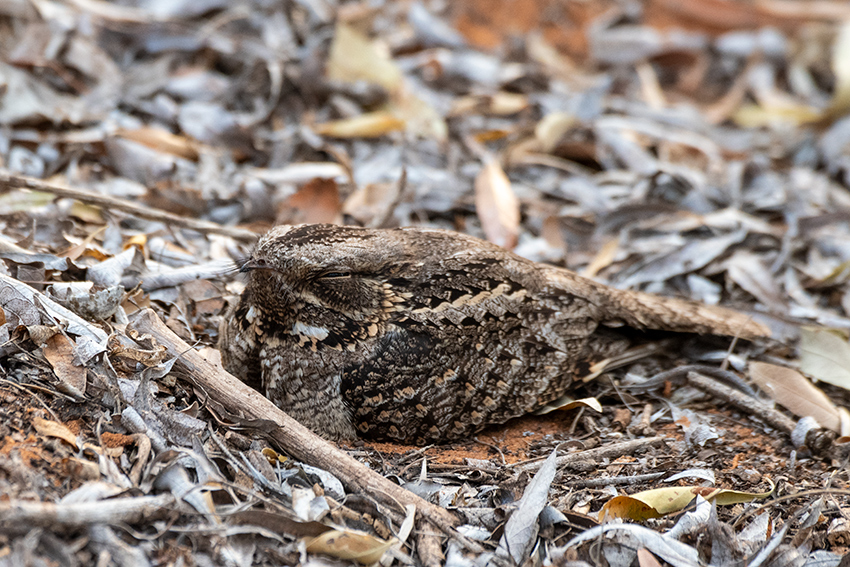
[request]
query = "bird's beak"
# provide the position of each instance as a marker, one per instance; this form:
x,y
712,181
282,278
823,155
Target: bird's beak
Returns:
x,y
251,264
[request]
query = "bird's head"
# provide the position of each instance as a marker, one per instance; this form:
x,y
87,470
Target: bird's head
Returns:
x,y
326,270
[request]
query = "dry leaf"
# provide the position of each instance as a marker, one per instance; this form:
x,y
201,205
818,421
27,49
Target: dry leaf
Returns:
x,y
840,103
603,258
499,104
137,240
794,391
372,201
55,429
80,469
755,116
162,140
661,501
316,202
646,558
568,404
419,117
87,213
369,125
153,356
552,128
496,205
87,300
354,57
59,352
748,271
350,546
825,356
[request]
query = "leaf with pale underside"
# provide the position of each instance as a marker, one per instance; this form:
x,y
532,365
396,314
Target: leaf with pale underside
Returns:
x,y
497,205
794,391
825,356
661,501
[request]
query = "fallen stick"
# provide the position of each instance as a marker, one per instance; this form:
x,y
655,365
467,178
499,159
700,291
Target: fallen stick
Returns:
x,y
78,514
612,451
9,180
294,438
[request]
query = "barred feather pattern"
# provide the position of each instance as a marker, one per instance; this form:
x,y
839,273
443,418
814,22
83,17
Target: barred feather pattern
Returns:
x,y
421,335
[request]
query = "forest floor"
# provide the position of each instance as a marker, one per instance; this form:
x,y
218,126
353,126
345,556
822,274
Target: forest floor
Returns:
x,y
696,149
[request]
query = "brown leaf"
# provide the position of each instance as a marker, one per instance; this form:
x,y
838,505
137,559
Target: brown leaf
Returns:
x,y
59,352
497,206
372,201
646,558
81,470
659,502
794,391
350,545
55,429
150,353
369,125
162,140
316,202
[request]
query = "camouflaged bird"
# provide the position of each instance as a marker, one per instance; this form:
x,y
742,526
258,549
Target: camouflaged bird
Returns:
x,y
423,335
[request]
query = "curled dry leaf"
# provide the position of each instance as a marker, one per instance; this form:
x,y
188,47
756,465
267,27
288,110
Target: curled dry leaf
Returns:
x,y
661,501
55,429
125,348
497,205
109,272
568,404
84,299
20,292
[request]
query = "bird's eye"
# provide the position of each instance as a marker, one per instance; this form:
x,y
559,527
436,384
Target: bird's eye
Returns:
x,y
335,275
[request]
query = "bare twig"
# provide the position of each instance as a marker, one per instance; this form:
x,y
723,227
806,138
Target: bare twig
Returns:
x,y
110,512
742,400
300,442
614,480
11,181
606,452
818,440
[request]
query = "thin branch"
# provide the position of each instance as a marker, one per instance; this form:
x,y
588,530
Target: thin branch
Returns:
x,y
239,399
613,451
111,511
10,181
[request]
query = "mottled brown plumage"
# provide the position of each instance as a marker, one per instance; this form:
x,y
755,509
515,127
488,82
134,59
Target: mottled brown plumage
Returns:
x,y
426,335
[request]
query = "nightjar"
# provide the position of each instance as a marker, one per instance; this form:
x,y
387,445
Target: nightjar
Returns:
x,y
422,335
